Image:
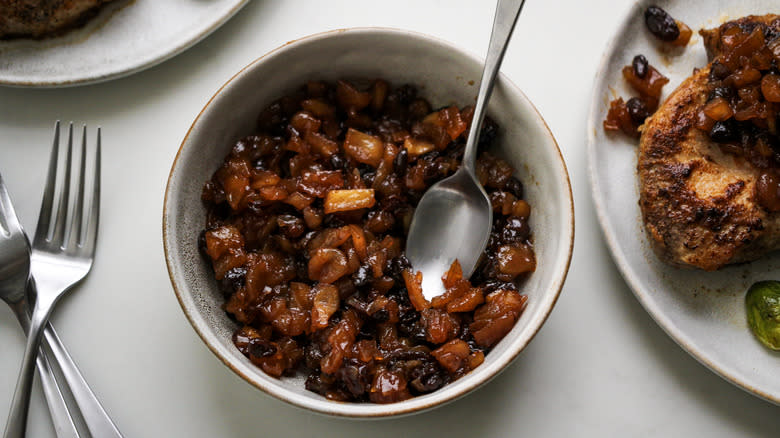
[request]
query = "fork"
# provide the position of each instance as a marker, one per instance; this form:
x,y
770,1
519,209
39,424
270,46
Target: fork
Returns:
x,y
96,420
14,274
61,257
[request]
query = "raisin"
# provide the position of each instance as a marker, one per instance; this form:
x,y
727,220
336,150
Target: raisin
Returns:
x,y
415,330
405,94
333,221
426,378
260,348
639,64
312,355
723,92
367,331
494,285
718,71
515,230
723,132
272,119
419,108
315,383
515,187
233,280
291,226
362,276
381,315
488,133
637,109
338,162
355,378
368,177
407,314
661,24
396,266
401,162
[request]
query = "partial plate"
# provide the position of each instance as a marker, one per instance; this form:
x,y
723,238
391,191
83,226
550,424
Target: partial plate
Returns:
x,y
703,312
126,37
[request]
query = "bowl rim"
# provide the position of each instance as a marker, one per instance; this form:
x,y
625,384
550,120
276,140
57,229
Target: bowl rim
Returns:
x,y
390,410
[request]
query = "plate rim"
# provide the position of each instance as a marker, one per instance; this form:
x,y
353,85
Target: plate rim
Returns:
x,y
144,64
615,250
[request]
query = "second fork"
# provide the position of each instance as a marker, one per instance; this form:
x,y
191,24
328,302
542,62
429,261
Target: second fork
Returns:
x,y
63,250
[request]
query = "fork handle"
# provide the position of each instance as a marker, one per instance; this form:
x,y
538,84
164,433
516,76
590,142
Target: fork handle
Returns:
x,y
95,417
58,407
92,412
61,417
20,405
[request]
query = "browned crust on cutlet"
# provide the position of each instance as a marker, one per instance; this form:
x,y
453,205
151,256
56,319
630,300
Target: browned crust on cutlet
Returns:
x,y
686,228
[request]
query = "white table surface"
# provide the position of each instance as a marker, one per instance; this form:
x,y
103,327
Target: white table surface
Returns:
x,y
599,367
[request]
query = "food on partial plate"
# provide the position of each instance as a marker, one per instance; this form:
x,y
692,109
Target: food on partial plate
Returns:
x,y
629,116
305,230
664,27
44,18
709,158
762,303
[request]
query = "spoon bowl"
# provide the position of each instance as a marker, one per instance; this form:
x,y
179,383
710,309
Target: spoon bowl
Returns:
x,y
455,223
14,253
453,219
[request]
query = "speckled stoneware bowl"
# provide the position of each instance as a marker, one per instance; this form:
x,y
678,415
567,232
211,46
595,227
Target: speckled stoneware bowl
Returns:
x,y
444,74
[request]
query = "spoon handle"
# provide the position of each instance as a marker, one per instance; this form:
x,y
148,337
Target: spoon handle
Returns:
x,y
506,15
61,416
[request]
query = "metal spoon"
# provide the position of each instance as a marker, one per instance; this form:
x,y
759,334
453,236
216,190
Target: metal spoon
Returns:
x,y
454,217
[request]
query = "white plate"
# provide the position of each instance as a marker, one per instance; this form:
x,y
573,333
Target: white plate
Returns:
x,y
126,37
703,312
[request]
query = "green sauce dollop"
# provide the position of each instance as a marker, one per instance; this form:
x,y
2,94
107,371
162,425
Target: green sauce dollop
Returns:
x,y
763,312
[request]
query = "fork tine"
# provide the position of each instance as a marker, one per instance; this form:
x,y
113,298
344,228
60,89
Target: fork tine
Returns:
x,y
8,219
44,218
88,244
61,215
76,228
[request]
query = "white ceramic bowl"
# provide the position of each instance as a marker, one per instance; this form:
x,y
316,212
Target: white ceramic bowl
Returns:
x,y
444,74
